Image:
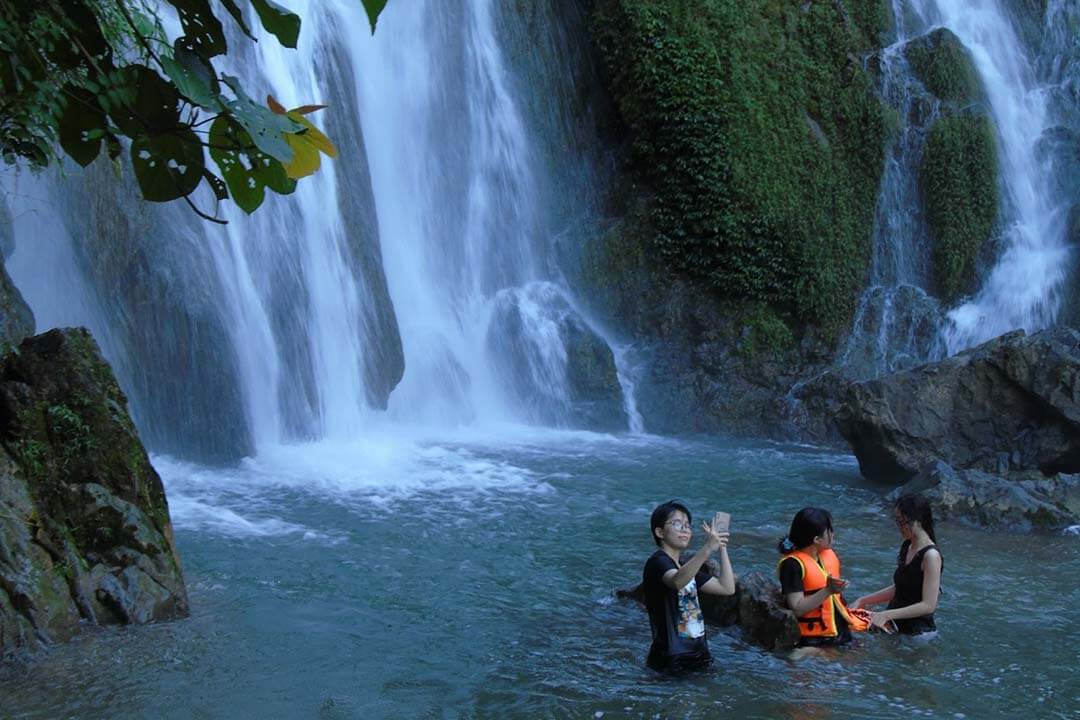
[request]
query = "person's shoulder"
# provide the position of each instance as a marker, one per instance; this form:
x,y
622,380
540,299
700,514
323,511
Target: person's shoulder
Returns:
x,y
790,564
659,562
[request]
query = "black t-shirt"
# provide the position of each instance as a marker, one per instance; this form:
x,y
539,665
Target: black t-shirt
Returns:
x,y
791,580
678,626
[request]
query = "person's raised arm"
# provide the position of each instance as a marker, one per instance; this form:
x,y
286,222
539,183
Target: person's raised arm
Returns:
x,y
678,579
724,584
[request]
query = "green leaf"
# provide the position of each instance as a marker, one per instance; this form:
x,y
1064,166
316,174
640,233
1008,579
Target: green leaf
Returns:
x,y
278,21
373,8
201,27
168,166
140,101
247,170
266,128
82,117
193,76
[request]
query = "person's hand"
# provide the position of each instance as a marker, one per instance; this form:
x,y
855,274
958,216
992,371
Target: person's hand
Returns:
x,y
879,621
715,538
835,585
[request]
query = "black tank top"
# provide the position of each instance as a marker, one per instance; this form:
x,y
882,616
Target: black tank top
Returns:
x,y
908,581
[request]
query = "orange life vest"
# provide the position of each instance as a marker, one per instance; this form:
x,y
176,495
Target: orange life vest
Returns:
x,y
821,621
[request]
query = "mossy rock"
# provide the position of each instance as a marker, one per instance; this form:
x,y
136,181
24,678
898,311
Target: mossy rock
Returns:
x,y
756,129
84,523
959,180
945,67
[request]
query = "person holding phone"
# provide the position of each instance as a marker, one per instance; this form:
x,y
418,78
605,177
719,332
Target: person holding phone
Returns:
x,y
671,587
913,596
811,582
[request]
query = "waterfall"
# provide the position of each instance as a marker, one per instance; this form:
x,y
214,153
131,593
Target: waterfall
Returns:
x,y
1023,289
898,322
411,280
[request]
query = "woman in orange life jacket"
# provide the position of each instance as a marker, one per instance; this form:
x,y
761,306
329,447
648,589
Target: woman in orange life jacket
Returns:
x,y
913,596
811,582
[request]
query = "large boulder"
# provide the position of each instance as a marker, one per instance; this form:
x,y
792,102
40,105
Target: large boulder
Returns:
x,y
757,607
1011,405
85,533
982,499
555,366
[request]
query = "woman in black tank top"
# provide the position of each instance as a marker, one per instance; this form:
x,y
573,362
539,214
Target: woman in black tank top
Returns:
x,y
913,596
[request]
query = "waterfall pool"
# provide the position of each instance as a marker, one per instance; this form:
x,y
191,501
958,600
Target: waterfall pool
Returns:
x,y
445,576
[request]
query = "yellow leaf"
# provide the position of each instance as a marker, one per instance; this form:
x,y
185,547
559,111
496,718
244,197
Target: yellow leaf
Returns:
x,y
306,146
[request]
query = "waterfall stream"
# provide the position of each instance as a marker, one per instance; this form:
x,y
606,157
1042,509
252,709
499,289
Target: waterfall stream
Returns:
x,y
899,322
409,281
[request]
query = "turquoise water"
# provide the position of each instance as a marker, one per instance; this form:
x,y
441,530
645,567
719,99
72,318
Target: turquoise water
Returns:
x,y
446,577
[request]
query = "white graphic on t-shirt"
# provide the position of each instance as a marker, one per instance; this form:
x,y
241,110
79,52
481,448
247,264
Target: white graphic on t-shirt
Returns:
x,y
691,622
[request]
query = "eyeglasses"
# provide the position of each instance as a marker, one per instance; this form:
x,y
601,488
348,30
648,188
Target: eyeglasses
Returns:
x,y
901,521
679,525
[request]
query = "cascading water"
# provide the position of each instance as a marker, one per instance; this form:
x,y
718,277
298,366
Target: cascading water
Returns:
x,y
422,250
465,245
1024,288
898,323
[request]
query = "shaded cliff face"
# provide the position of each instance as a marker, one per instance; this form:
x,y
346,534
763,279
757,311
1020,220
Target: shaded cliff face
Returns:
x,y
85,533
750,146
151,269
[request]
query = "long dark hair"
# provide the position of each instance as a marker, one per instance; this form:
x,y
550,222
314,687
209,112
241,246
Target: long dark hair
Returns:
x,y
917,507
809,523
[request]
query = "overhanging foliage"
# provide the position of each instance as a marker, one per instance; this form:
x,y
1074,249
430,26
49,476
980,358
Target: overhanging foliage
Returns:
x,y
92,74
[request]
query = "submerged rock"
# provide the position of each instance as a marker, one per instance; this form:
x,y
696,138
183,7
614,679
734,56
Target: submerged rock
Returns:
x,y
979,498
85,533
1011,405
757,607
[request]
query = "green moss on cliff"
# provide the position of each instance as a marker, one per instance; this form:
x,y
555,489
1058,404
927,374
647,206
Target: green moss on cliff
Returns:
x,y
959,181
757,128
942,63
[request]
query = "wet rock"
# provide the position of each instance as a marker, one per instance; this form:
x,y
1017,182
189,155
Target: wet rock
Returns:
x,y
1023,504
151,264
16,318
556,366
384,358
85,534
942,63
757,607
1014,399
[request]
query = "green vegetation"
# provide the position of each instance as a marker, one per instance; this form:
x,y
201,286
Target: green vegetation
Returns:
x,y
945,67
88,73
755,128
765,335
959,178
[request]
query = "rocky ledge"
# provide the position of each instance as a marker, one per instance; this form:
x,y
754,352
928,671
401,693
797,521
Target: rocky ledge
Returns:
x,y
992,434
85,534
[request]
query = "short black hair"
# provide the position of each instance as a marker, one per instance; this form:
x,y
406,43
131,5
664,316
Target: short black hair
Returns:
x,y
661,515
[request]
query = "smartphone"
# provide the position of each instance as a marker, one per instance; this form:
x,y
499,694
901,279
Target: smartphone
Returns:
x,y
723,522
